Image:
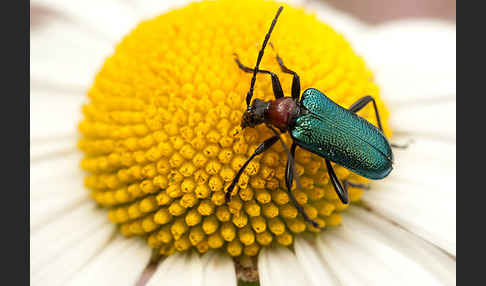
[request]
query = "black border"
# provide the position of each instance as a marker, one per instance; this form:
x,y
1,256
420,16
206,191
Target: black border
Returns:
x,y
15,119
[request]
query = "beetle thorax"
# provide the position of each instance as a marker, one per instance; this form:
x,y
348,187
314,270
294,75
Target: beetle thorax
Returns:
x,y
280,113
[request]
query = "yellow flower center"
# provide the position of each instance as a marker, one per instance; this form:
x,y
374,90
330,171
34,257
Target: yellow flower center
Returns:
x,y
161,132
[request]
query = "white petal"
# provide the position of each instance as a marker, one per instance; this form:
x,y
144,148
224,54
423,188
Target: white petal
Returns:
x,y
440,264
55,145
279,266
425,161
369,251
62,267
431,119
56,187
431,217
179,269
54,114
43,172
314,266
339,264
63,56
218,269
46,209
120,263
420,194
412,59
109,18
369,261
147,9
339,20
65,232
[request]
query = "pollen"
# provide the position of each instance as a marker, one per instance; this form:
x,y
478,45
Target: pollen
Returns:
x,y
161,131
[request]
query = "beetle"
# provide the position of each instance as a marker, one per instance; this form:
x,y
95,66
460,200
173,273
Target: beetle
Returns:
x,y
319,125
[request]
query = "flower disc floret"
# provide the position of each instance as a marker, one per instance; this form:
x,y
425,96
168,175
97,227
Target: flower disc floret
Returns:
x,y
161,131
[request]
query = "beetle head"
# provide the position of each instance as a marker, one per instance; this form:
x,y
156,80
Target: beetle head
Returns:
x,y
255,113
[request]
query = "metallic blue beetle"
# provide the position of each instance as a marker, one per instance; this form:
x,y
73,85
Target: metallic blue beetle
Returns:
x,y
319,125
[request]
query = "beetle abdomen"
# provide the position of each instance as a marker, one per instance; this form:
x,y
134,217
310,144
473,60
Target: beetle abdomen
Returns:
x,y
341,136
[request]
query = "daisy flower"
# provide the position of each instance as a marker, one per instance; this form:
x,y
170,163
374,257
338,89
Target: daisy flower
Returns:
x,y
135,114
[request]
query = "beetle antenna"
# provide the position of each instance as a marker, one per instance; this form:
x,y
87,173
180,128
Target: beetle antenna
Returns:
x,y
260,55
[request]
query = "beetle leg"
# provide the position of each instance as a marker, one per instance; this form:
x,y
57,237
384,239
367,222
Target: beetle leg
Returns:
x,y
342,192
288,181
295,79
260,149
347,184
277,88
401,146
362,102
